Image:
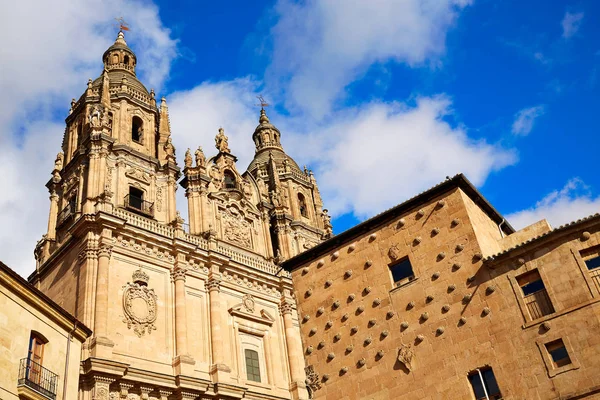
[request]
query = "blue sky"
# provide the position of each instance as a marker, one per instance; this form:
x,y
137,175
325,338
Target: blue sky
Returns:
x,y
381,98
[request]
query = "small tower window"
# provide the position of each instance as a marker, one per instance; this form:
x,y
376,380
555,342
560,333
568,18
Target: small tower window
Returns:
x,y
229,180
115,58
137,129
136,197
302,205
126,60
402,272
252,365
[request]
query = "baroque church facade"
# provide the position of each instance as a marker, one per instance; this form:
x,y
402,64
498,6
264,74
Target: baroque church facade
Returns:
x,y
178,311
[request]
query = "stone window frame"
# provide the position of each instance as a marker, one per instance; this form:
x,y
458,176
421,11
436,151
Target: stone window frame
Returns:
x,y
580,261
547,358
528,321
252,339
405,284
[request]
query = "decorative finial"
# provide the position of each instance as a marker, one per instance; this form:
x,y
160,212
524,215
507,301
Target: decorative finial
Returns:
x,y
188,158
263,115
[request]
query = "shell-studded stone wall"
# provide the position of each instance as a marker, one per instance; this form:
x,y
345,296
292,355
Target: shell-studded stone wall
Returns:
x,y
354,320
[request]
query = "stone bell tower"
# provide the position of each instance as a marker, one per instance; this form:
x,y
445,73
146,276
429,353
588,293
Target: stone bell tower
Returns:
x,y
116,150
291,195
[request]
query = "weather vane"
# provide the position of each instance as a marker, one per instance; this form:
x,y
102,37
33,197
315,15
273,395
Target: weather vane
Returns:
x,y
122,24
263,102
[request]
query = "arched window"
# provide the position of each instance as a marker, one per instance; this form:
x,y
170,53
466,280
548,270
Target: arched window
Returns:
x,y
115,58
302,205
126,60
229,180
35,357
252,365
137,129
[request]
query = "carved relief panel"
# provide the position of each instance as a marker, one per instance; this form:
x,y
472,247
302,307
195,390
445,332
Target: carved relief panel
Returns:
x,y
139,304
235,227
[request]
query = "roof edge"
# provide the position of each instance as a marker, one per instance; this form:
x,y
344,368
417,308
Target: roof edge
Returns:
x,y
457,181
77,325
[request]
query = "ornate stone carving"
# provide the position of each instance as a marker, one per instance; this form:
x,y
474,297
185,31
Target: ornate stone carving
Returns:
x,y
105,251
235,227
187,160
213,284
394,252
248,303
139,304
138,175
285,308
159,198
222,142
312,380
406,356
178,273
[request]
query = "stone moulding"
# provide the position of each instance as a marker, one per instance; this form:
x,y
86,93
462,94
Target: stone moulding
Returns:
x,y
139,306
406,356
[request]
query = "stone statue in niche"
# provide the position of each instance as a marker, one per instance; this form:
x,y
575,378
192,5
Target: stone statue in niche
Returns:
x,y
95,118
235,228
406,356
139,304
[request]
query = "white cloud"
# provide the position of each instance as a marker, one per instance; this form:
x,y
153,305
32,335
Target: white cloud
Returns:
x,y
50,51
559,207
366,158
571,24
525,119
319,47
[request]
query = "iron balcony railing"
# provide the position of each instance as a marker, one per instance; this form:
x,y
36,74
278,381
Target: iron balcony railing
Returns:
x,y
38,378
66,213
538,304
139,205
595,275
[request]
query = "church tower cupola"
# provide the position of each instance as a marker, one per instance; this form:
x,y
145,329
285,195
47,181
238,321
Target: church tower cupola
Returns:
x,y
266,136
120,56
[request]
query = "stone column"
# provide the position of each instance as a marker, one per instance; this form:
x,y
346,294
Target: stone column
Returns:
x,y
53,215
101,307
294,348
218,368
183,363
178,276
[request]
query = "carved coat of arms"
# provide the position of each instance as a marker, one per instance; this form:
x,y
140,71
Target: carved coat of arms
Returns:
x,y
394,252
235,227
406,356
139,304
312,381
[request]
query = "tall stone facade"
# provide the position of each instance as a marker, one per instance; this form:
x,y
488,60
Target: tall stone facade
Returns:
x,y
439,298
178,311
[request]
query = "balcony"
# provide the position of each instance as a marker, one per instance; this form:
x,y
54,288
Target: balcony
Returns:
x,y
538,304
139,205
66,213
35,381
595,275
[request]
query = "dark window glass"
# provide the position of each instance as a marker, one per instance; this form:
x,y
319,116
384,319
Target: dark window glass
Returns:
x,y
137,129
593,263
558,353
533,287
252,365
136,197
489,380
402,271
229,180
302,205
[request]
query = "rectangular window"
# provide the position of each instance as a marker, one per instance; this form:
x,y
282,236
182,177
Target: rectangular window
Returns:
x,y
535,295
252,365
484,383
558,353
593,266
402,272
